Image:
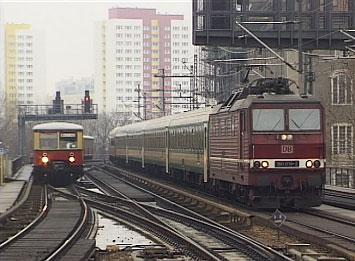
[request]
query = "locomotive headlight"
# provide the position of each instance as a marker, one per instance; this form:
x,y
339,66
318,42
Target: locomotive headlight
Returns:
x,y
45,158
316,163
286,137
256,164
309,164
264,164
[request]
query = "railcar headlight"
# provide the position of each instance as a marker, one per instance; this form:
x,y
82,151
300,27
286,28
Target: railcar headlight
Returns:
x,y
256,164
45,158
264,164
71,157
309,164
316,163
283,137
289,137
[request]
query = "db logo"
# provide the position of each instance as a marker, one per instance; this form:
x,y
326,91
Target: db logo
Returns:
x,y
286,148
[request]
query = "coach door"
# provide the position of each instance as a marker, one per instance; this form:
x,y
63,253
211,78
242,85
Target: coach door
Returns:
x,y
166,150
242,129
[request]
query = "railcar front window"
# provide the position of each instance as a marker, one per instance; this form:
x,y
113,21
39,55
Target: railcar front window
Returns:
x,y
268,120
48,141
67,141
304,119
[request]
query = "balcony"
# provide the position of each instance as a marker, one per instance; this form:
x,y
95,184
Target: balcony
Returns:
x,y
275,22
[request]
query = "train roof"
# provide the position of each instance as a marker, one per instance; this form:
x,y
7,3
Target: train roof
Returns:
x,y
273,98
113,132
181,119
264,90
264,99
191,117
62,126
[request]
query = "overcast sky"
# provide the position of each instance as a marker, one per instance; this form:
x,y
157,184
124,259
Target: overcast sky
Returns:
x,y
68,27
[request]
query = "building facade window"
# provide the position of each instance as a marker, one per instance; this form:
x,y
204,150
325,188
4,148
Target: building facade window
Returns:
x,y
342,139
341,89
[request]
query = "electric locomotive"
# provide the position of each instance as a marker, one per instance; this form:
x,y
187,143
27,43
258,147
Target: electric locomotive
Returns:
x,y
265,146
57,153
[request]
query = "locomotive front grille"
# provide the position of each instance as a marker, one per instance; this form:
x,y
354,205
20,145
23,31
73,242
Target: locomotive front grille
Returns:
x,y
287,181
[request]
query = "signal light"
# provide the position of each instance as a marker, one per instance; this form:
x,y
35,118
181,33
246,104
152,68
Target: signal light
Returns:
x,y
87,102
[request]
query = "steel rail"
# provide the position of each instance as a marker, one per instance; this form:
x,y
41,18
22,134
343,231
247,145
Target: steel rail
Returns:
x,y
34,223
139,220
18,204
150,216
253,243
73,236
333,234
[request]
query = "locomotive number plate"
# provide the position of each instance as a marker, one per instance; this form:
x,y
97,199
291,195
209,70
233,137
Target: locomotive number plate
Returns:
x,y
283,164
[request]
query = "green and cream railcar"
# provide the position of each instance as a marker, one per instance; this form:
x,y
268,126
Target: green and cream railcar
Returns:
x,y
156,142
129,142
188,145
112,144
177,144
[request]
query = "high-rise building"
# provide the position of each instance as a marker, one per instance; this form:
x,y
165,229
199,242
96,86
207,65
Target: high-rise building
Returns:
x,y
134,46
2,58
24,67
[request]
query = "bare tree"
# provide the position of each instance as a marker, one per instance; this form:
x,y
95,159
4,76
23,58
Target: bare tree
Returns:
x,y
101,128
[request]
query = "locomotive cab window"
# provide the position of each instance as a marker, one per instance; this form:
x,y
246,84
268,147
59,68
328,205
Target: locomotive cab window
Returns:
x,y
268,119
67,141
304,119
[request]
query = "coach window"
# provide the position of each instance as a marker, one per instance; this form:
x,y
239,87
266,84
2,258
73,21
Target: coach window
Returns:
x,y
48,140
268,119
67,140
219,128
232,126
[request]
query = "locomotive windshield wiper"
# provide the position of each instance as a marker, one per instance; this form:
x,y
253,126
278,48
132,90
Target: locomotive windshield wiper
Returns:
x,y
295,124
306,118
276,124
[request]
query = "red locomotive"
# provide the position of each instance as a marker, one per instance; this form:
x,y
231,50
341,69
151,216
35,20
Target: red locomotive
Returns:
x,y
265,146
57,152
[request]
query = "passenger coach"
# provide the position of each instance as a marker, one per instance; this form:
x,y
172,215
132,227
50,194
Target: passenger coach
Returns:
x,y
89,147
57,152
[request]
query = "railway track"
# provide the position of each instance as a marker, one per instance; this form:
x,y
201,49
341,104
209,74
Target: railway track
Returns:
x,y
226,243
239,219
340,199
335,231
32,202
52,233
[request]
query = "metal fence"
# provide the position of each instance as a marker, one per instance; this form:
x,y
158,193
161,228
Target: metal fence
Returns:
x,y
341,177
